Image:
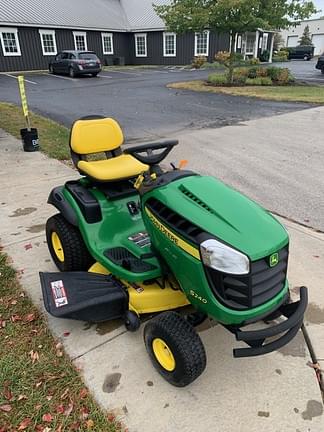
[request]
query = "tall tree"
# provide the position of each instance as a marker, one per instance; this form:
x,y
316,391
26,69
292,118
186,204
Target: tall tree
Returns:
x,y
233,16
306,37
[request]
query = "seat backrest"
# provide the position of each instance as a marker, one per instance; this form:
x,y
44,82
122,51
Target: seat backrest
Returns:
x,y
95,135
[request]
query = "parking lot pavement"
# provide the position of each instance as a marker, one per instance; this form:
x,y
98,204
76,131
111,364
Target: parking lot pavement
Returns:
x,y
139,100
304,70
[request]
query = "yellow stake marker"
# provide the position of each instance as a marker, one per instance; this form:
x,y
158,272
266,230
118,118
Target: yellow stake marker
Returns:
x,y
24,99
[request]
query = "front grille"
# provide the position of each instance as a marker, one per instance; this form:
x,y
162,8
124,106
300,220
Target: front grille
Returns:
x,y
173,220
259,286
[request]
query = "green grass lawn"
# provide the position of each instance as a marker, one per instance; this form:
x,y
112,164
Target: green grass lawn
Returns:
x,y
295,93
39,387
53,137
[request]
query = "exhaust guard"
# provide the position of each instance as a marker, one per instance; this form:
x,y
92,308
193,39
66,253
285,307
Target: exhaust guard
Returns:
x,y
294,312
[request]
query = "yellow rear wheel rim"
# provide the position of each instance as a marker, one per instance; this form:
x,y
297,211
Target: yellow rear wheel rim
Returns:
x,y
57,246
163,354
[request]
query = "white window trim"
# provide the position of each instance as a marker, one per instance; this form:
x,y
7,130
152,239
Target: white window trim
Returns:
x,y
10,30
264,44
165,34
103,35
84,34
137,35
51,32
207,47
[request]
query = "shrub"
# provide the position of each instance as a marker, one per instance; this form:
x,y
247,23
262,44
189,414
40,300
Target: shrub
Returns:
x,y
198,61
260,81
214,65
254,61
273,72
264,57
241,71
261,72
222,57
217,79
252,73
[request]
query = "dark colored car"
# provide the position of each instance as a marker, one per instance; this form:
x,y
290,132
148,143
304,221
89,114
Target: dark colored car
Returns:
x,y
320,63
305,52
75,63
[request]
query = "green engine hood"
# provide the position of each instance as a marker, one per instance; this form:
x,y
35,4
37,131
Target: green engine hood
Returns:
x,y
224,213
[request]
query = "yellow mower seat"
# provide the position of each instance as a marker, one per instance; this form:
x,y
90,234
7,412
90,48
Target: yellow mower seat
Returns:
x,y
102,135
119,167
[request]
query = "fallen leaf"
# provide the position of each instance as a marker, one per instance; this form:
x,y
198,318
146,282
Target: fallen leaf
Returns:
x,y
83,393
306,220
28,246
38,407
75,426
24,424
39,384
7,394
5,408
21,397
60,409
29,318
68,410
59,353
59,346
14,302
316,256
59,429
2,323
84,413
39,428
89,424
34,356
15,318
47,417
111,417
66,334
49,397
47,429
64,394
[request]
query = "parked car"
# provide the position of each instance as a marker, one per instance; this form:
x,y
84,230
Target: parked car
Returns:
x,y
75,63
305,52
320,63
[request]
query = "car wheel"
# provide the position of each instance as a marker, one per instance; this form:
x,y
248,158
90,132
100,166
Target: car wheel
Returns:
x,y
51,69
175,349
306,57
322,70
94,74
71,72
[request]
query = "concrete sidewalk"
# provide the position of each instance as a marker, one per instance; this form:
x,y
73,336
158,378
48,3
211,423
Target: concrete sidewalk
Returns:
x,y
274,393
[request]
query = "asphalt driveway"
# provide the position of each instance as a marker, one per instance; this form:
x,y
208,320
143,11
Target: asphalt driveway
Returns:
x,y
139,100
304,71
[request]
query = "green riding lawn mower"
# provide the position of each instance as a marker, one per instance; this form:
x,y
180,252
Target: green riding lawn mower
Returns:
x,y
132,238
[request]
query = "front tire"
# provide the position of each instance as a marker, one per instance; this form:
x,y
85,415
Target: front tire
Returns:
x,y
66,245
322,70
175,349
72,73
51,69
94,74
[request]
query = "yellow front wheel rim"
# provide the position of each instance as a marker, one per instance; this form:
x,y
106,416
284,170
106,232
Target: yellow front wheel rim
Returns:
x,y
163,354
57,246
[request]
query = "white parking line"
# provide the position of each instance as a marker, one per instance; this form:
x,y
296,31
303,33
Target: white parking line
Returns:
x,y
126,73
104,76
61,77
26,80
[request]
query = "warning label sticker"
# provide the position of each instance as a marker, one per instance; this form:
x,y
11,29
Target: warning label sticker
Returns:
x,y
59,293
141,239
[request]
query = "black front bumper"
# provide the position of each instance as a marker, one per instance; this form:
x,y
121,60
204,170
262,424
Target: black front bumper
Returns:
x,y
320,64
294,312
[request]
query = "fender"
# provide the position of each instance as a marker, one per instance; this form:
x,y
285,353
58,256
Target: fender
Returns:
x,y
57,199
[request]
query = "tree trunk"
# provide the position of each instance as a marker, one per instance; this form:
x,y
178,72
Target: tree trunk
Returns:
x,y
231,59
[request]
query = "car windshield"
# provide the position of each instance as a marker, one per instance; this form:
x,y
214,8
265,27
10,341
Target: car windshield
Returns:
x,y
88,56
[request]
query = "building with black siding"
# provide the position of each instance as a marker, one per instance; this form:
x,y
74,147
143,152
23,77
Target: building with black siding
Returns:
x,y
32,32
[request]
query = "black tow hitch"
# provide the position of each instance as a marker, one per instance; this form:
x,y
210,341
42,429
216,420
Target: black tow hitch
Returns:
x,y
294,312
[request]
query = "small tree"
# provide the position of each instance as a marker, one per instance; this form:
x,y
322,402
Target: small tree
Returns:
x,y
278,41
306,37
233,17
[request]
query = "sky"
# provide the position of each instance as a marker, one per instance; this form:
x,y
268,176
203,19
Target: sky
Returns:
x,y
319,4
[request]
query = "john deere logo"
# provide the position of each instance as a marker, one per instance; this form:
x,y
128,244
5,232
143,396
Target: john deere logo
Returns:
x,y
274,259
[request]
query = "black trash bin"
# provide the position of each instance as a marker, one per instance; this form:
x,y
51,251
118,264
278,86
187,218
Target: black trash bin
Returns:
x,y
30,139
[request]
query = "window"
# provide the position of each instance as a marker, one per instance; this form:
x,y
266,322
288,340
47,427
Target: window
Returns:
x,y
10,41
264,42
169,44
140,45
239,42
107,43
250,43
80,41
48,42
202,43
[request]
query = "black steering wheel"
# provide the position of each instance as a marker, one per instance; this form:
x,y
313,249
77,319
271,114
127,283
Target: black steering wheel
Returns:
x,y
151,158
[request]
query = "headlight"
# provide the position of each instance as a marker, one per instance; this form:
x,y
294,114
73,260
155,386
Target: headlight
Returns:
x,y
223,258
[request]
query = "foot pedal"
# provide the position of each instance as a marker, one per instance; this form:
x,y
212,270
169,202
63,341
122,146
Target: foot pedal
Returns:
x,y
83,296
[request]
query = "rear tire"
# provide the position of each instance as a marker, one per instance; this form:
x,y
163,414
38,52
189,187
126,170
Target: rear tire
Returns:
x,y
72,73
94,74
51,69
175,349
66,245
306,57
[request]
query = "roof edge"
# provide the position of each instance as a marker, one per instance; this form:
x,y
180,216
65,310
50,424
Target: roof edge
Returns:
x,y
52,26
